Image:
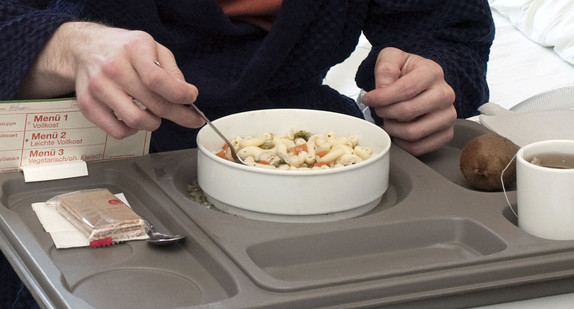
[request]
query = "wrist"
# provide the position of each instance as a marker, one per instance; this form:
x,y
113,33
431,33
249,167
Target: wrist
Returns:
x,y
53,73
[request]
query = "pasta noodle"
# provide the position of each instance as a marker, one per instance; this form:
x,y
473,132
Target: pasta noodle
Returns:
x,y
298,150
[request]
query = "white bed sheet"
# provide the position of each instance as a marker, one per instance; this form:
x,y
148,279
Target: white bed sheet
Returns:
x,y
519,68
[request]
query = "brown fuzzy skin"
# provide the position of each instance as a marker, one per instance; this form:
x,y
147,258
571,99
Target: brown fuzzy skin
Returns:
x,y
484,158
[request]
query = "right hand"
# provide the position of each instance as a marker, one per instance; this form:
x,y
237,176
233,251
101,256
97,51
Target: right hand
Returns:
x,y
110,67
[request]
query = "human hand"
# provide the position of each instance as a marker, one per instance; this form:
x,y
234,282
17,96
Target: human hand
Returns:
x,y
109,68
414,101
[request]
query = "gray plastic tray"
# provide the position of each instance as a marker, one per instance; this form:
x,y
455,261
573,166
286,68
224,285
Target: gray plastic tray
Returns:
x,y
432,242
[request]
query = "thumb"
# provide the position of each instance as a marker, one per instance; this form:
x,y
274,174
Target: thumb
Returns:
x,y
388,68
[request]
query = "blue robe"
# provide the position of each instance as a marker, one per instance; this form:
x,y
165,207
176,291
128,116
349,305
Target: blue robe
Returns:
x,y
238,66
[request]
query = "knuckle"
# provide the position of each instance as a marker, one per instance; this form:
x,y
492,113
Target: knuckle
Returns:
x,y
434,68
379,113
180,94
413,133
151,79
119,134
449,116
387,69
408,112
165,51
84,104
412,148
415,150
160,109
95,85
112,68
449,95
134,120
122,132
136,39
449,135
452,116
410,89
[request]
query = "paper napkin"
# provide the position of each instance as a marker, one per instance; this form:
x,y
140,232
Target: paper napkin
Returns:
x,y
524,128
63,233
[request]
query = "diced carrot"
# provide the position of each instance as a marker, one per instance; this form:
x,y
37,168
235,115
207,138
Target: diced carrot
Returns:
x,y
298,148
264,162
319,164
225,146
322,153
222,154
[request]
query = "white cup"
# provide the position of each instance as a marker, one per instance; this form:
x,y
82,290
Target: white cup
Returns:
x,y
545,195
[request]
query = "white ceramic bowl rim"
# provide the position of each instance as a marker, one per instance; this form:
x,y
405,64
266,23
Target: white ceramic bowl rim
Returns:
x,y
271,171
306,194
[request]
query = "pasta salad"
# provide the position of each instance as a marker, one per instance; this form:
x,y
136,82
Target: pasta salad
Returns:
x,y
298,150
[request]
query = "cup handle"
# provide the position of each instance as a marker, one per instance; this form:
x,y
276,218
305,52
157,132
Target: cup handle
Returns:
x,y
504,188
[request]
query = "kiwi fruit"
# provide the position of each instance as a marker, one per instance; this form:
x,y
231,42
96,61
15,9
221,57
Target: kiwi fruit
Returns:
x,y
484,158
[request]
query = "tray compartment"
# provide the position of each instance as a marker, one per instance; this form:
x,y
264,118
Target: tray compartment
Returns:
x,y
446,161
175,179
375,251
433,243
125,274
130,286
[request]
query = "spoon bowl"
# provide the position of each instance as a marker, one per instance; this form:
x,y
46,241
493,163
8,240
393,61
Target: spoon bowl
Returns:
x,y
234,155
160,239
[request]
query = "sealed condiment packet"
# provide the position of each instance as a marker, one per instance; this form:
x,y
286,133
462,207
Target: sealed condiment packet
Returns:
x,y
100,216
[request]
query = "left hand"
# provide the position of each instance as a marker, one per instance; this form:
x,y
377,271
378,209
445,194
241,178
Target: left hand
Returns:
x,y
414,101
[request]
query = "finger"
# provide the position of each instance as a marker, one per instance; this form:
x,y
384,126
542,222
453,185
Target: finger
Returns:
x,y
166,80
408,86
425,102
140,86
102,116
161,106
142,56
421,127
119,100
388,67
386,72
399,77
430,143
129,110
180,114
166,60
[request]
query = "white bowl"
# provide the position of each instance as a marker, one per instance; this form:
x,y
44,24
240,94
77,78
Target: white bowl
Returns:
x,y
299,196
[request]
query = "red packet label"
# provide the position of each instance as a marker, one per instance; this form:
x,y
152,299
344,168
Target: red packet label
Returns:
x,y
101,242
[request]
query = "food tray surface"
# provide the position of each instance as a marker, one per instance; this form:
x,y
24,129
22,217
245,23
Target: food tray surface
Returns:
x,y
432,242
188,273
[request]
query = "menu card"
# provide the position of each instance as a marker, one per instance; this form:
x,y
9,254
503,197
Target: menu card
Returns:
x,y
55,131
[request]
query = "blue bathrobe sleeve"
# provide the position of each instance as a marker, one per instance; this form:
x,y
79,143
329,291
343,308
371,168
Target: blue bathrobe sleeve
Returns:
x,y
25,28
455,34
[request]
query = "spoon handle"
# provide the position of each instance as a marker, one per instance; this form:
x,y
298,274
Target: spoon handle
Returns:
x,y
202,115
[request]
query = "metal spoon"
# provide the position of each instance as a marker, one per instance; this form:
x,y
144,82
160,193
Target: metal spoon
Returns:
x,y
160,239
236,158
